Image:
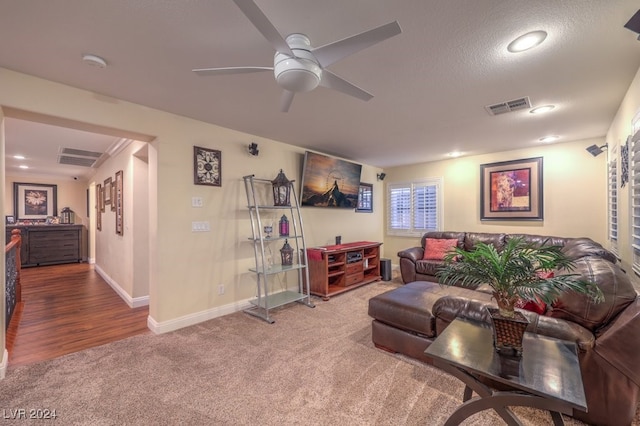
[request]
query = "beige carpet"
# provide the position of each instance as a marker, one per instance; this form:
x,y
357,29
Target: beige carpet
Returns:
x,y
312,367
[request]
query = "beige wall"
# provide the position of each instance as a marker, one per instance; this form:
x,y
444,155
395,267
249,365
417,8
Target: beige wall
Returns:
x,y
616,137
185,268
574,191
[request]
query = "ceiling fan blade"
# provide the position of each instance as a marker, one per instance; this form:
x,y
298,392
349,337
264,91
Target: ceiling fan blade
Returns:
x,y
333,52
230,70
332,81
262,23
285,100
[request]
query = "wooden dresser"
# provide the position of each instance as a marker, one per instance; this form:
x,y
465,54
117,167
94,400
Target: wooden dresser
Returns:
x,y
340,268
49,244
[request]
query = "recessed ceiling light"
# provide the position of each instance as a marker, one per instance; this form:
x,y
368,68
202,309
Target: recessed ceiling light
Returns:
x,y
527,41
23,166
542,109
454,154
19,157
94,60
547,139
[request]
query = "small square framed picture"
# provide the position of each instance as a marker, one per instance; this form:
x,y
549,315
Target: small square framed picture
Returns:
x,y
9,220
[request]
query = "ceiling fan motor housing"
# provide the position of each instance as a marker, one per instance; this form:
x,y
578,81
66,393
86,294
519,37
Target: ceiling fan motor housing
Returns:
x,y
301,73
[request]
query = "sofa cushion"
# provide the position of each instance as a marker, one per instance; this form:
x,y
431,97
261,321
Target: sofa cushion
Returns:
x,y
437,249
428,267
472,238
576,248
615,285
540,239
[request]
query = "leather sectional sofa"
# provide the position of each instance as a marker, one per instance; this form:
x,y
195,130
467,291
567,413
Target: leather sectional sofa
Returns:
x,y
407,319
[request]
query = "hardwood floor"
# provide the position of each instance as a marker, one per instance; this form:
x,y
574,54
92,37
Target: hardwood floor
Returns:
x,y
68,308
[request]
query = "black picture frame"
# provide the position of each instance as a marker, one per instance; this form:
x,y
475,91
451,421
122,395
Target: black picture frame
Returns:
x,y
512,190
365,198
207,166
34,201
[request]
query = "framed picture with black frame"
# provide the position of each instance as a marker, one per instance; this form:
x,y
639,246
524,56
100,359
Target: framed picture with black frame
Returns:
x,y
365,198
34,201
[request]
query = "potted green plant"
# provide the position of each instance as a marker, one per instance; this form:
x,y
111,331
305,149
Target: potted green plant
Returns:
x,y
518,272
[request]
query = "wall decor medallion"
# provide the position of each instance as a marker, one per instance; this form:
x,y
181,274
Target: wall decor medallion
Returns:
x,y
207,166
34,201
511,190
624,163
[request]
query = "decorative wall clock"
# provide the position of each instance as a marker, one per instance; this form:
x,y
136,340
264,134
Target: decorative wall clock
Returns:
x,y
207,166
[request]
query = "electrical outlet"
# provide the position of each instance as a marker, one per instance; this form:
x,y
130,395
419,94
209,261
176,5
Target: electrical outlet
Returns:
x,y
221,289
196,202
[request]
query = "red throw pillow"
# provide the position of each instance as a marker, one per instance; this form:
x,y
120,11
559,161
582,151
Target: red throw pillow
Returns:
x,y
537,306
436,249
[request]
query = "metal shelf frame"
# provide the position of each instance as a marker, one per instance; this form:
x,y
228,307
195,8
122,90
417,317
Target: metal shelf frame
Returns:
x,y
264,268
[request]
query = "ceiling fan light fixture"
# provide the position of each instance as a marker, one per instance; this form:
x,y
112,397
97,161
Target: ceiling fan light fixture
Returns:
x,y
301,73
527,41
297,75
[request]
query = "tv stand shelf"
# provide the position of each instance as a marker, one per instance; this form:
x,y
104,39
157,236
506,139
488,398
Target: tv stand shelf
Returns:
x,y
339,268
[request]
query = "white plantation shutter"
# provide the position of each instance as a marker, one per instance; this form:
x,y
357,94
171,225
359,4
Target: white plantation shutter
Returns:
x,y
414,208
634,179
613,202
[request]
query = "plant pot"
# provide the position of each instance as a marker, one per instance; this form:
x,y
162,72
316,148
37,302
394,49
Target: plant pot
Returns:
x,y
508,332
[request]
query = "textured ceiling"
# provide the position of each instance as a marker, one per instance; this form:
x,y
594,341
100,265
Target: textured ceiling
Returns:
x,y
430,83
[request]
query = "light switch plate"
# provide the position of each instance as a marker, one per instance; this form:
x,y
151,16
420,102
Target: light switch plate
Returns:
x,y
196,202
200,226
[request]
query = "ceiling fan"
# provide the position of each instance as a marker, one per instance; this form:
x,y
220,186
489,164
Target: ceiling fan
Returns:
x,y
299,67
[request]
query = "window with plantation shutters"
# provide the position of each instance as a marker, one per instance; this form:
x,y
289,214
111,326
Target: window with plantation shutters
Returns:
x,y
414,208
634,171
612,174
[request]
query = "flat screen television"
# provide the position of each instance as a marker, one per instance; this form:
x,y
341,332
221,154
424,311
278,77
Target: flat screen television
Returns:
x,y
329,182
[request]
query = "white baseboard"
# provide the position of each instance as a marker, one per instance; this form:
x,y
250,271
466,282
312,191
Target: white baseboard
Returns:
x,y
133,302
3,364
192,319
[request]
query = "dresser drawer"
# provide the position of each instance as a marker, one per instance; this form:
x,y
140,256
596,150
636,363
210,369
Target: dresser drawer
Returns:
x,y
354,268
46,256
48,236
353,278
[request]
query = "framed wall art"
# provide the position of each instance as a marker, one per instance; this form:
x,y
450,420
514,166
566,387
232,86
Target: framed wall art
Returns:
x,y
99,207
365,198
34,201
511,190
108,191
117,202
207,166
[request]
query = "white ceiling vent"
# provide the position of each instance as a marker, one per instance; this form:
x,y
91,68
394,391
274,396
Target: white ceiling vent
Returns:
x,y
78,157
509,106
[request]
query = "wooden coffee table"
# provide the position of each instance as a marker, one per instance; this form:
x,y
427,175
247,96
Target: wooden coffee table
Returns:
x,y
547,376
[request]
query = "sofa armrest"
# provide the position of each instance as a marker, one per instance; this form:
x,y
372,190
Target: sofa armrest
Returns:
x,y
413,254
448,308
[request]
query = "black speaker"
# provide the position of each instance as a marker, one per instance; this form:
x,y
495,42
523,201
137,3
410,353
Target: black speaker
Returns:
x,y
385,269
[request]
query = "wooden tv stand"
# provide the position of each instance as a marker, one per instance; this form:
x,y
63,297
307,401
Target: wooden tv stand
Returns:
x,y
339,268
